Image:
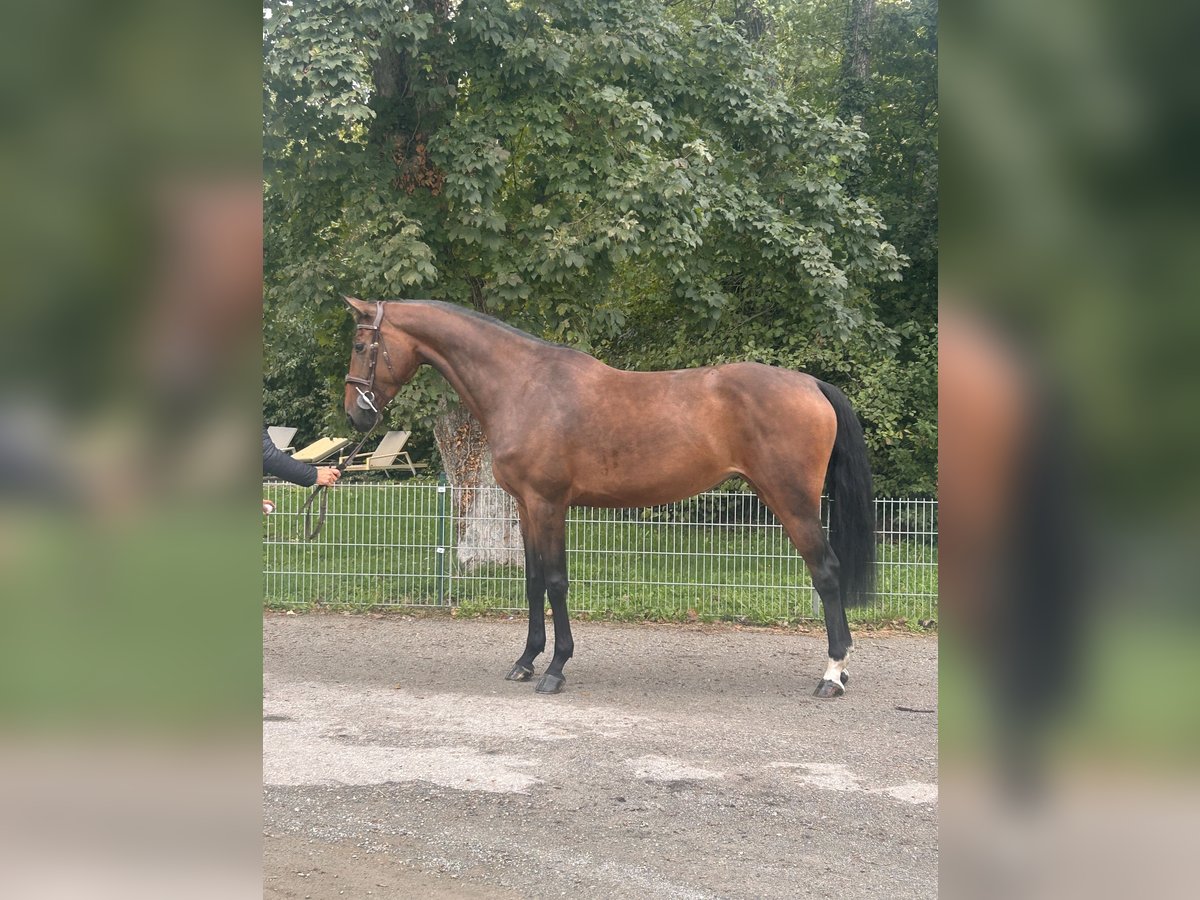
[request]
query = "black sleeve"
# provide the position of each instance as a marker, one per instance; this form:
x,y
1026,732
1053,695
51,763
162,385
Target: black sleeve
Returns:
x,y
279,464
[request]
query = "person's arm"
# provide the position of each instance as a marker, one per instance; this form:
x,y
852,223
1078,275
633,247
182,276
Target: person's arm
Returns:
x,y
279,464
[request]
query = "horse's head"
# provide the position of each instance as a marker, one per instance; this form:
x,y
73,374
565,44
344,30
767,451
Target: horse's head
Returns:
x,y
384,359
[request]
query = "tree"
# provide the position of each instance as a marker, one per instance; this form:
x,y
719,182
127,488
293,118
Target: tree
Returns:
x,y
529,160
856,60
880,71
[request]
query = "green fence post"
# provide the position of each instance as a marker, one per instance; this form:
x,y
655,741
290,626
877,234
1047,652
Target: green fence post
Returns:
x,y
441,539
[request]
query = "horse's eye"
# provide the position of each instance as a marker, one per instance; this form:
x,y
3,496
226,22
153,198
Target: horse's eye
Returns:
x,y
359,348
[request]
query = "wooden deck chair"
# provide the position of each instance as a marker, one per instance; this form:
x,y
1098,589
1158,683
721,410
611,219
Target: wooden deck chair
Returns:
x,y
320,450
281,437
385,456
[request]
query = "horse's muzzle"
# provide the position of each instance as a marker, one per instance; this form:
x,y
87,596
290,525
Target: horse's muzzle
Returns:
x,y
361,420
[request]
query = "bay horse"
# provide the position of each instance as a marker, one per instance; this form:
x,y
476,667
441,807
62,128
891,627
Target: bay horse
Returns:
x,y
567,430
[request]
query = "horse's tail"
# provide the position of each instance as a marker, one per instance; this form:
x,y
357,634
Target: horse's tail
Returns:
x,y
852,512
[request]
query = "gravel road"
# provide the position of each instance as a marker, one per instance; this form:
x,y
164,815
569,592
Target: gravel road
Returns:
x,y
679,762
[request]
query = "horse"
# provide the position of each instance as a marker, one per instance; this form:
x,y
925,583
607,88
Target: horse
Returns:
x,y
1013,559
567,430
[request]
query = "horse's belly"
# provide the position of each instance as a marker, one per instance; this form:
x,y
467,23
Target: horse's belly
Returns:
x,y
642,488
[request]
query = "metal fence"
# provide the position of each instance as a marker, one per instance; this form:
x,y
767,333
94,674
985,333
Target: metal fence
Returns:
x,y
720,555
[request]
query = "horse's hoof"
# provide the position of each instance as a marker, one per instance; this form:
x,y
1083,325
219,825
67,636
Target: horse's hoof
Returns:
x,y
519,673
827,689
550,684
845,678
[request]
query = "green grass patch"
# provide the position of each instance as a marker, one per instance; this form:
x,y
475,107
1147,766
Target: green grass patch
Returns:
x,y
1130,703
379,548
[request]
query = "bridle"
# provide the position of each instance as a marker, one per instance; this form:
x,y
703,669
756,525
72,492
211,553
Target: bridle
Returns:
x,y
366,400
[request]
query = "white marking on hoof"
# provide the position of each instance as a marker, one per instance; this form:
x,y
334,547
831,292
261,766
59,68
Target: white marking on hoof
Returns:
x,y
836,667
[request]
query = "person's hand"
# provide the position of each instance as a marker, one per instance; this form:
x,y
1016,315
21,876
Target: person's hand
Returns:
x,y
327,475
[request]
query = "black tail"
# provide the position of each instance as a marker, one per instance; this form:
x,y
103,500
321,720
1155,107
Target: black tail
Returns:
x,y
852,513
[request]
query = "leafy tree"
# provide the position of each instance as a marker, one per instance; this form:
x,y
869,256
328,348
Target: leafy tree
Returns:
x,y
880,69
875,66
536,161
901,119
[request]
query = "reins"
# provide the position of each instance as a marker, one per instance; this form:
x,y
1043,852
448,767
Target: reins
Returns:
x,y
366,400
311,531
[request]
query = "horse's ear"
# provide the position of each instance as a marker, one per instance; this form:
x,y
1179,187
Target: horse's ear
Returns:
x,y
359,306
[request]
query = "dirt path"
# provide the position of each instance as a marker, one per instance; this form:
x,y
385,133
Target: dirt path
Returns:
x,y
680,762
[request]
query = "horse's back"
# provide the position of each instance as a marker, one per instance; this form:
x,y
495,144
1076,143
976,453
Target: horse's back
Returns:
x,y
642,438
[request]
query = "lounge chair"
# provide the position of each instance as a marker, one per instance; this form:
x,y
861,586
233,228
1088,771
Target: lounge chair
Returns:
x,y
320,450
281,436
385,456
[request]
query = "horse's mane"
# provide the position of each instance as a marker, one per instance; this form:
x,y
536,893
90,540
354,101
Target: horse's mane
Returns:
x,y
469,313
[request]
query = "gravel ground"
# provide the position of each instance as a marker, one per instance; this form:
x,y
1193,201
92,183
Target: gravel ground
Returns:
x,y
679,762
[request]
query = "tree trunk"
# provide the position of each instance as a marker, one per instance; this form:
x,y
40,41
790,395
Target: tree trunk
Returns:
x,y
488,531
487,528
402,127
752,20
856,60
856,80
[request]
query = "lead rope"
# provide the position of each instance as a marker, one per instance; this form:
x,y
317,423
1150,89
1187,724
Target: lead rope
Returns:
x,y
311,531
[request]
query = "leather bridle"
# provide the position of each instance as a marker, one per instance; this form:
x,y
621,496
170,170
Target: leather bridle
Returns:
x,y
366,400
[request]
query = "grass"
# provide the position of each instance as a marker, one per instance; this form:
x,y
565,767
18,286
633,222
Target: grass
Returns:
x,y
379,549
1129,703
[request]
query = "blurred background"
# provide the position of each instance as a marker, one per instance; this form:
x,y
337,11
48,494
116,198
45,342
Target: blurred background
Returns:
x,y
130,623
1068,378
130,630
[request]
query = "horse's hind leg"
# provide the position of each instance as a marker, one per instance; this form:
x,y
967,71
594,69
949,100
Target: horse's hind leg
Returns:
x,y
826,578
804,530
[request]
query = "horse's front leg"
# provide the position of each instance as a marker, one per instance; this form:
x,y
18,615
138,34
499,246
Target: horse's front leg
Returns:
x,y
548,529
564,645
535,592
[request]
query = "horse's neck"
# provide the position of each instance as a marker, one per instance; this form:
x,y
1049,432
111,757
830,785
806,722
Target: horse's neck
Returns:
x,y
479,359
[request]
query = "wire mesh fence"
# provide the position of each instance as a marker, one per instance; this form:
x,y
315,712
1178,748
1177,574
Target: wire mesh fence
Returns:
x,y
721,554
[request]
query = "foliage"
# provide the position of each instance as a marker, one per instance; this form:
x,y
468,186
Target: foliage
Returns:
x,y
889,375
570,166
899,113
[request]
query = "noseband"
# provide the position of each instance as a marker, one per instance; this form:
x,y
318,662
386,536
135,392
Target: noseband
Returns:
x,y
366,398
